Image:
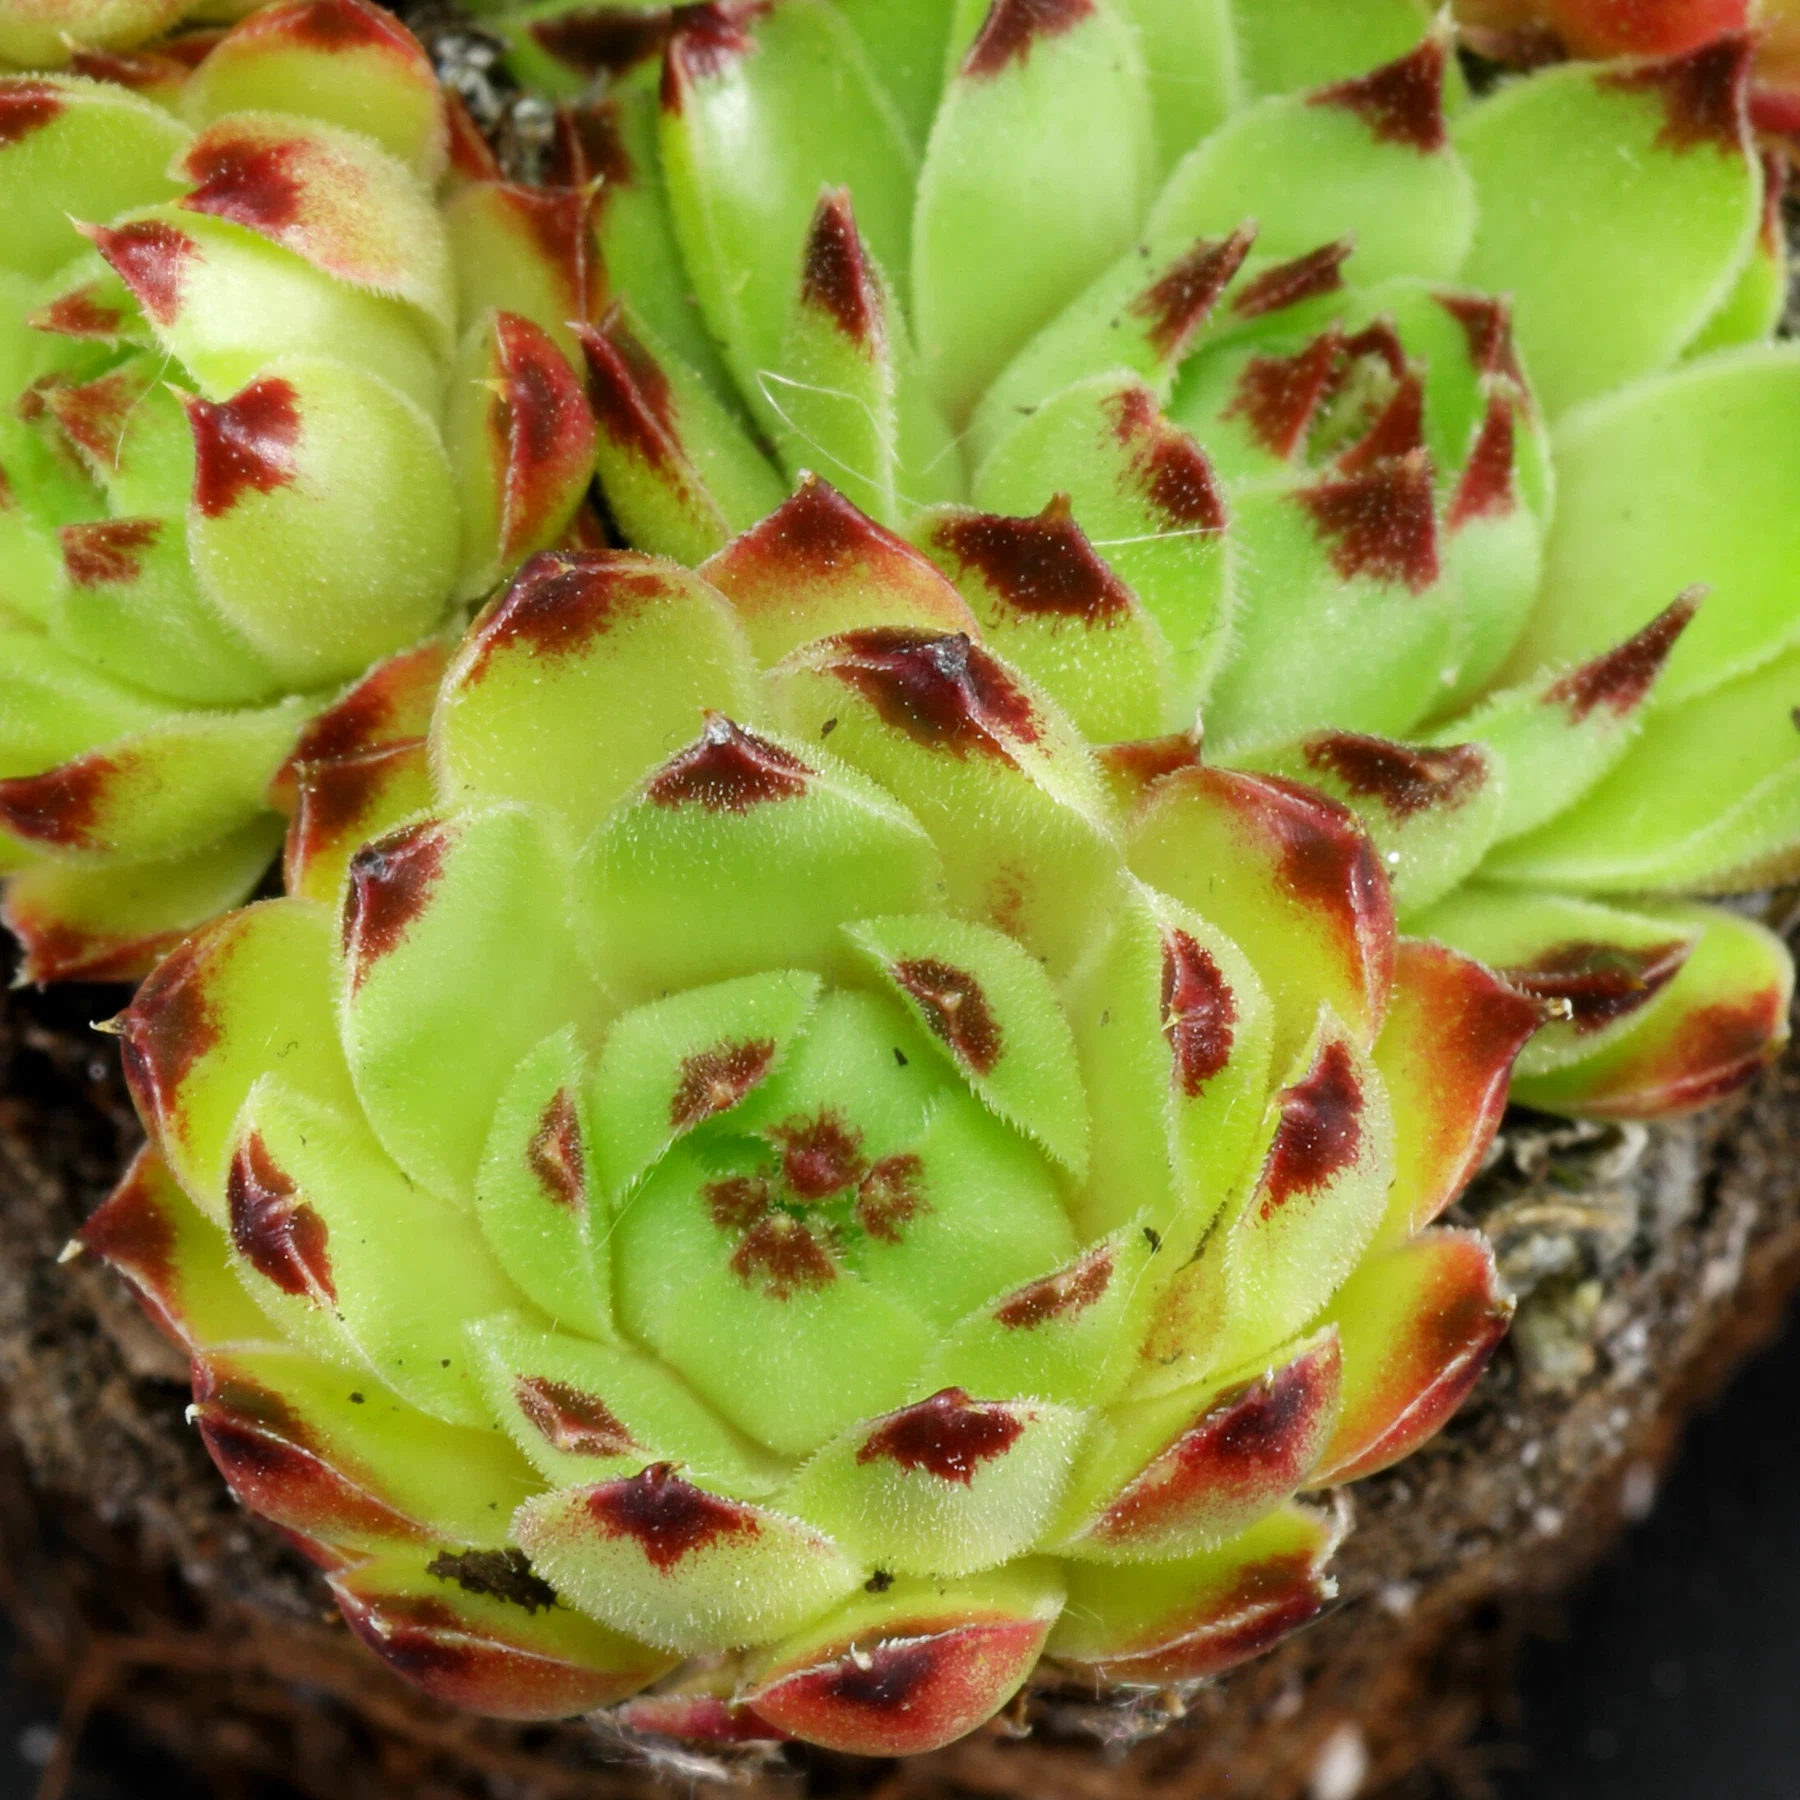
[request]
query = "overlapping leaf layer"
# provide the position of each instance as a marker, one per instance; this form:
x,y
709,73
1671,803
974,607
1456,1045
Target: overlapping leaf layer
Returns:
x,y
270,405
752,1156
1238,368
792,1149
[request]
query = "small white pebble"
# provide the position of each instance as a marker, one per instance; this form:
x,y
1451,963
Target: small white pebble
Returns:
x,y
37,1744
1637,1493
1342,1766
1547,1522
1398,1597
1529,1454
1287,1703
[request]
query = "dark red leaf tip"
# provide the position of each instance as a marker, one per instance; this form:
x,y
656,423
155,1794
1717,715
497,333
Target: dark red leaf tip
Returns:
x,y
1179,302
955,1007
333,797
891,1196
1485,488
817,532
949,1436
821,1155
65,806
559,222
713,1081
541,431
1621,679
341,25
471,156
835,276
780,1256
1402,102
729,770
140,70
703,42
133,1232
1319,1134
570,1419
778,1252
1719,1049
1137,766
279,1234
389,886
1278,397
561,601
1379,523
1593,984
587,144
108,552
1325,855
669,1519
555,1155
1487,325
1404,779
243,445
1319,271
269,1456
248,179
604,40
1169,467
96,415
1704,94
80,313
1064,1295
1040,568
632,401
26,106
1013,26
1252,1442
944,691
151,258
1396,431
169,1026
1199,1012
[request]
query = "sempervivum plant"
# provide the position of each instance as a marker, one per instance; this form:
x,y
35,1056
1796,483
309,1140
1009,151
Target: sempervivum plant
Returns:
x,y
1235,364
278,389
791,1179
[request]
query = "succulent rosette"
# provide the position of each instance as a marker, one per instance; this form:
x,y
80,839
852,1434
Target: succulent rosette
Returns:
x,y
271,407
756,1176
1237,366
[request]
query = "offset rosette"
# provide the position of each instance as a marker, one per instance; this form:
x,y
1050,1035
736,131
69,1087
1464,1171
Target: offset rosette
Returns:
x,y
259,433
1395,434
753,1170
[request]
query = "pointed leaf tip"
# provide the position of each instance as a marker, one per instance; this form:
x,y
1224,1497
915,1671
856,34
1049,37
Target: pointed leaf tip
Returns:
x,y
151,258
1381,523
246,444
1621,678
834,272
1401,102
1404,779
1704,93
1319,271
1180,302
1013,26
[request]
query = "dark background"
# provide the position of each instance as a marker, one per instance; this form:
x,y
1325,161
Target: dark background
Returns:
x,y
1674,1675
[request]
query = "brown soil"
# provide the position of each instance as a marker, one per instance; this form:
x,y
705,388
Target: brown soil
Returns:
x,y
142,1594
